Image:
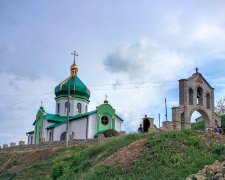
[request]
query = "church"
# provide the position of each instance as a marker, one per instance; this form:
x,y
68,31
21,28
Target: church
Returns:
x,y
72,115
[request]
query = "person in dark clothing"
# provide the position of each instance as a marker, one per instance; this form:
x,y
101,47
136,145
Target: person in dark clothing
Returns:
x,y
140,129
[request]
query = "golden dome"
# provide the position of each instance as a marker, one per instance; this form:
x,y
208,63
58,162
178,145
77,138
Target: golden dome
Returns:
x,y
74,69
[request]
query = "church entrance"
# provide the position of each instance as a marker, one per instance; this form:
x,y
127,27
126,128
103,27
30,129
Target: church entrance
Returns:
x,y
146,124
63,136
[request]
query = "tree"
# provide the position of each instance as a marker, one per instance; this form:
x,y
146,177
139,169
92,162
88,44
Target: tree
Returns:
x,y
220,106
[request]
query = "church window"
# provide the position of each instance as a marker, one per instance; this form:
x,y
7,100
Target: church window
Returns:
x,y
86,108
67,107
208,101
191,92
199,96
79,107
31,140
58,108
105,120
63,136
50,136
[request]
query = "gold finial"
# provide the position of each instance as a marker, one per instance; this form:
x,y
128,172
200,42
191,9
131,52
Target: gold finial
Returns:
x,y
74,67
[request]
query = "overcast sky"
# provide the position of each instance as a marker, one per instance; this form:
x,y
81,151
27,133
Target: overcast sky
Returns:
x,y
133,51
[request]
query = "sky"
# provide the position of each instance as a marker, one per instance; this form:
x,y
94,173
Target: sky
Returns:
x,y
133,51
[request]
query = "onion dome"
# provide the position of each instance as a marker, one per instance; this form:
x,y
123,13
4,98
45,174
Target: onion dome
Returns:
x,y
77,88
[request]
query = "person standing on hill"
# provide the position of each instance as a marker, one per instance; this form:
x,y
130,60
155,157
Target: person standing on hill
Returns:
x,y
140,129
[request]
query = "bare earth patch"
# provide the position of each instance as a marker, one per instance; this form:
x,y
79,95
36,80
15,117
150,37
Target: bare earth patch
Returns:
x,y
16,161
125,156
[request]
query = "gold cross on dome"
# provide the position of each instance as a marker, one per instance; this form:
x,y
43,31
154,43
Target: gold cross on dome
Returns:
x,y
74,53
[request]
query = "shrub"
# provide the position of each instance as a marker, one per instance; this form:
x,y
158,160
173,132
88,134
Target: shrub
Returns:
x,y
110,133
59,169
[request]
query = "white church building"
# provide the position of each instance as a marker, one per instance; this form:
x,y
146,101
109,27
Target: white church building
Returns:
x,y
72,115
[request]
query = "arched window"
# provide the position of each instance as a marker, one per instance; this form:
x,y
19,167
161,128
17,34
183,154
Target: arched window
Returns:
x,y
105,120
79,108
208,101
86,108
63,136
199,96
51,136
67,107
58,108
191,92
73,135
31,140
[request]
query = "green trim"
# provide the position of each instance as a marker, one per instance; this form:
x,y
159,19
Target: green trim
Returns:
x,y
39,124
105,110
72,118
100,132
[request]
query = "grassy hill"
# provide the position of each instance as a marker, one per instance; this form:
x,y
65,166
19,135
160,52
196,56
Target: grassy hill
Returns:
x,y
167,155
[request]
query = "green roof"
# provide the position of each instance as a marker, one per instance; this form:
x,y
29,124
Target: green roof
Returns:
x,y
77,88
55,117
71,118
31,132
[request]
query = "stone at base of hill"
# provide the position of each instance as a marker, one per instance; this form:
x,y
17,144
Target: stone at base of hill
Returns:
x,y
215,171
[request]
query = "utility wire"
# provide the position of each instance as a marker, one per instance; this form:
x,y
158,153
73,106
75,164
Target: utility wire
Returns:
x,y
115,86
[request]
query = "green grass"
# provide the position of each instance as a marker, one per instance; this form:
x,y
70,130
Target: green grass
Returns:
x,y
167,155
198,126
223,120
170,155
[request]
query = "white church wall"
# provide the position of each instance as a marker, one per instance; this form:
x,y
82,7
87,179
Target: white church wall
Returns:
x,y
79,128
58,131
92,126
117,124
30,139
73,106
45,131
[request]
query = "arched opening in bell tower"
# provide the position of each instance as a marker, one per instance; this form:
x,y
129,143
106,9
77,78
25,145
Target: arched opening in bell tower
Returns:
x,y
191,96
199,96
199,120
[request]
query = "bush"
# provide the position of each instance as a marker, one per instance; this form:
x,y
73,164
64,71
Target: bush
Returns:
x,y
110,133
59,169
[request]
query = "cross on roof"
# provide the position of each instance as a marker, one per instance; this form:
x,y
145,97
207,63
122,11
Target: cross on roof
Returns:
x,y
74,53
196,69
106,97
41,103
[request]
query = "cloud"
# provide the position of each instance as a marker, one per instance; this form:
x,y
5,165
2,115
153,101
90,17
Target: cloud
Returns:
x,y
144,61
20,100
147,60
